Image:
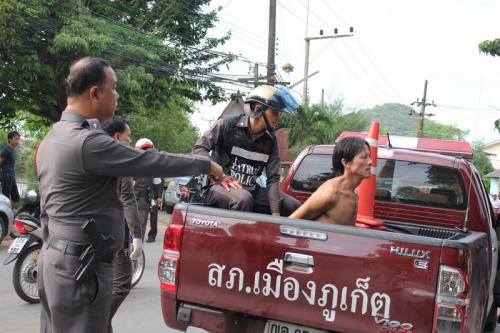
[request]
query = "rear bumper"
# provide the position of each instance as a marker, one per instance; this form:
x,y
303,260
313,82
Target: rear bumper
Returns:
x,y
180,315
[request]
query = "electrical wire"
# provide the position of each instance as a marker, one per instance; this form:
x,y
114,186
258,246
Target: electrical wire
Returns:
x,y
377,69
363,49
295,15
366,72
334,13
356,77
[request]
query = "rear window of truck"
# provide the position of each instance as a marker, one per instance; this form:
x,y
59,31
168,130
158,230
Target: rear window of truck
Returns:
x,y
397,181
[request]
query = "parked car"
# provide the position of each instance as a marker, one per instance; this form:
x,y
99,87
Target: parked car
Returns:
x,y
432,270
172,193
6,216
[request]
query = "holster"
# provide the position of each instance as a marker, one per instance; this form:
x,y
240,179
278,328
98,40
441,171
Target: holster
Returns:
x,y
88,265
98,250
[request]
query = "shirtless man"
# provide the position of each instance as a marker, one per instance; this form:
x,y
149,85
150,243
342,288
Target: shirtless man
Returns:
x,y
336,201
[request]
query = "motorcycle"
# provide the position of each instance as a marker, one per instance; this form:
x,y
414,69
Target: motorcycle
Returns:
x,y
137,265
25,249
30,208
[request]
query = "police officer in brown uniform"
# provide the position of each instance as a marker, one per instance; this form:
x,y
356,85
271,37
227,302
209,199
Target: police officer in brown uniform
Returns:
x,y
78,165
148,193
119,130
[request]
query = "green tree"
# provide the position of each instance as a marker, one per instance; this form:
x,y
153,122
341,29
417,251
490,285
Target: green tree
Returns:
x,y
179,138
320,125
158,49
481,161
435,130
395,118
492,48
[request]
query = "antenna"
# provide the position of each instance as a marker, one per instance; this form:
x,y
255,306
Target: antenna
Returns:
x,y
465,228
389,145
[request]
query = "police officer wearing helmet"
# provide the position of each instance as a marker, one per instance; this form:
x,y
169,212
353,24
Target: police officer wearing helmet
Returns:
x,y
148,194
245,146
82,217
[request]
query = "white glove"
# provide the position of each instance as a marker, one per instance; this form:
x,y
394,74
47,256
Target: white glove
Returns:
x,y
137,252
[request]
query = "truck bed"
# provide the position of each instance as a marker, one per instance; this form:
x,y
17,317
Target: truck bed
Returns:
x,y
322,276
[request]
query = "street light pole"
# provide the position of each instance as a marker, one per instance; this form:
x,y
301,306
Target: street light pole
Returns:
x,y
305,98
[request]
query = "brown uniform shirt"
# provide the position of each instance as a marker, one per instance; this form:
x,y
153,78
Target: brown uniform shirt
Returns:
x,y
78,165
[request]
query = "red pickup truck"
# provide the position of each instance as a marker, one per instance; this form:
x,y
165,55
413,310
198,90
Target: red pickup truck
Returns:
x,y
432,270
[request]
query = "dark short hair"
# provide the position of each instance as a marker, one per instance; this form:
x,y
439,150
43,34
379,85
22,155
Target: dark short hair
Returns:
x,y
85,73
346,148
11,135
115,125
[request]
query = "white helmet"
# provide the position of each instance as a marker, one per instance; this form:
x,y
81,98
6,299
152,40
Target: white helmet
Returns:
x,y
144,143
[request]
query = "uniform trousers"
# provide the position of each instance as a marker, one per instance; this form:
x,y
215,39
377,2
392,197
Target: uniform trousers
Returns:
x,y
145,211
68,305
122,281
256,201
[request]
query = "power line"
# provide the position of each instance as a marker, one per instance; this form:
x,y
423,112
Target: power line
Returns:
x,y
367,73
377,69
379,72
356,77
295,15
334,13
154,39
158,66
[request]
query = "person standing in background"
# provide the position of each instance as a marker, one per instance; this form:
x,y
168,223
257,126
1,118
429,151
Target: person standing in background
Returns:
x,y
119,130
8,168
148,194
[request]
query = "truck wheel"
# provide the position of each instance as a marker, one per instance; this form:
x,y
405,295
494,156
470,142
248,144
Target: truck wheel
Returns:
x,y
491,320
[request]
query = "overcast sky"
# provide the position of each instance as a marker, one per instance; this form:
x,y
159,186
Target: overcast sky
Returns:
x,y
396,46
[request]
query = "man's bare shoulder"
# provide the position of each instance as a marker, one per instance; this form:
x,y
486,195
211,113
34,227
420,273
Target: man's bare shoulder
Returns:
x,y
328,190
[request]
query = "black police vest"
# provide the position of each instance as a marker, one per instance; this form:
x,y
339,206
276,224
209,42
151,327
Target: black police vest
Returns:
x,y
242,157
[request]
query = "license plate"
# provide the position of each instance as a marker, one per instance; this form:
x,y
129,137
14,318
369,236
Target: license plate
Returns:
x,y
273,326
17,245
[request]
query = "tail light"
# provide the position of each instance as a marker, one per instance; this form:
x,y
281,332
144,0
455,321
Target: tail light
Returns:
x,y
168,267
24,227
452,301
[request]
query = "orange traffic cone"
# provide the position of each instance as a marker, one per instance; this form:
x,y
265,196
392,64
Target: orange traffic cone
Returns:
x,y
366,190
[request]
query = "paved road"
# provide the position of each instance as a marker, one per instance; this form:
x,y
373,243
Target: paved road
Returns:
x,y
141,311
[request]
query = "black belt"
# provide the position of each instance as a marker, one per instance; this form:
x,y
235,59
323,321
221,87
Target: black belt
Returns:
x,y
66,247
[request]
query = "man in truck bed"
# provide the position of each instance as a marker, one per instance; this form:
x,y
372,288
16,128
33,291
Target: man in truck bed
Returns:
x,y
245,146
336,201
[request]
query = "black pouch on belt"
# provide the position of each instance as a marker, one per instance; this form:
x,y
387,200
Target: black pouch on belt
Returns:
x,y
98,250
87,267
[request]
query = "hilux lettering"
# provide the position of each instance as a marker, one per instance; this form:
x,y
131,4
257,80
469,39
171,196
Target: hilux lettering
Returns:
x,y
415,253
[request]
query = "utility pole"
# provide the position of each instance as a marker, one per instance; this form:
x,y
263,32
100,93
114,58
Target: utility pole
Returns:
x,y
271,66
421,114
322,98
256,74
305,99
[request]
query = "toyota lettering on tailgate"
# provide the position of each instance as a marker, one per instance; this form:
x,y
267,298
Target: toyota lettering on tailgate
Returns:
x,y
329,297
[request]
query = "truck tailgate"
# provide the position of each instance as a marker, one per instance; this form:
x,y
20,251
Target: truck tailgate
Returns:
x,y
317,275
